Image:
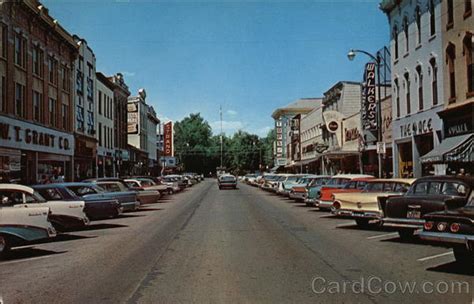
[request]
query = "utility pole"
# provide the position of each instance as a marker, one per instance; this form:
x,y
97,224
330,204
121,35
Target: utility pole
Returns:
x,y
222,137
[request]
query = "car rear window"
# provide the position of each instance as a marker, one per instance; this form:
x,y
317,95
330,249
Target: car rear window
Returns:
x,y
227,178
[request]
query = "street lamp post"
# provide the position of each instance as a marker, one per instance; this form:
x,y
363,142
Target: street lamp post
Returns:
x,y
377,59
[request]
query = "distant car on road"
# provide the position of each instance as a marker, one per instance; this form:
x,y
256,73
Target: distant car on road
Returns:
x,y
227,181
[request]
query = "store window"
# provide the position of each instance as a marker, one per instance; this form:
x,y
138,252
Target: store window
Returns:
x,y
407,92
434,81
20,109
469,54
10,166
450,58
419,73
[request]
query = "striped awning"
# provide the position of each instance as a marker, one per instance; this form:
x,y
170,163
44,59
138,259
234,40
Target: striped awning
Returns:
x,y
452,149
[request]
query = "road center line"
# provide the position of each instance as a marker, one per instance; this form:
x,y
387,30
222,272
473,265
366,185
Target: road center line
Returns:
x,y
382,235
435,256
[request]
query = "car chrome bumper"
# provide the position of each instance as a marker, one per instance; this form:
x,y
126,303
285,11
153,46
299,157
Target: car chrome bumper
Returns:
x,y
324,204
403,222
357,214
446,237
298,196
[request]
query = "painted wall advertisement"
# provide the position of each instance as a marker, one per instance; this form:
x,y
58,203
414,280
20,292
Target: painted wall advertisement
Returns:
x,y
133,118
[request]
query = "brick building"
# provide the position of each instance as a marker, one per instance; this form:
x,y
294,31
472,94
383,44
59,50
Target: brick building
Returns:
x,y
36,104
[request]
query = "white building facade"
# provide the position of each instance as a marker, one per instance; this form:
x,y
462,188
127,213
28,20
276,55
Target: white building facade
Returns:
x,y
417,86
105,127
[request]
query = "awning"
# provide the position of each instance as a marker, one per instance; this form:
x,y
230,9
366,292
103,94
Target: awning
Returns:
x,y
340,154
452,149
307,161
275,169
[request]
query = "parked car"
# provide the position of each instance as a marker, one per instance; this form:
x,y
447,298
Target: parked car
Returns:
x,y
454,227
337,181
64,214
128,200
284,186
182,183
96,208
171,187
300,191
148,186
21,226
363,205
111,184
326,198
227,181
427,194
269,181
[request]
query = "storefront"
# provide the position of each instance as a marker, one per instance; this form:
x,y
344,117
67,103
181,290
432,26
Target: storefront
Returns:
x,y
105,163
455,154
413,137
85,157
32,154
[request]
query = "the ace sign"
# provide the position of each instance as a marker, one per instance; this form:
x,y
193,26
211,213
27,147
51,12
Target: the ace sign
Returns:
x,y
168,139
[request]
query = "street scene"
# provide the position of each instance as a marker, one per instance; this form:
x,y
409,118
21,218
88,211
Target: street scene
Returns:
x,y
236,151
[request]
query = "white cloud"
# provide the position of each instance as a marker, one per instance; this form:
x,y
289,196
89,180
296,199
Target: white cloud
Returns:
x,y
228,127
232,112
128,74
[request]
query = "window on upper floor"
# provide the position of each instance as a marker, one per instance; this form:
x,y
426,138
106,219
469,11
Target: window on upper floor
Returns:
x,y
90,122
419,74
52,112
20,106
20,51
65,116
37,102
432,18
90,88
407,92
469,54
3,40
450,14
418,24
79,82
406,34
37,56
434,80
99,102
450,61
80,119
65,78
53,70
397,97
3,94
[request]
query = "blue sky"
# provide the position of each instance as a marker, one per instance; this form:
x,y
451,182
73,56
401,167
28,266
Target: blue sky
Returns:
x,y
248,56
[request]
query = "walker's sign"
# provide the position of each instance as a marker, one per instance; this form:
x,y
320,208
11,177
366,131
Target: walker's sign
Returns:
x,y
26,136
168,139
369,113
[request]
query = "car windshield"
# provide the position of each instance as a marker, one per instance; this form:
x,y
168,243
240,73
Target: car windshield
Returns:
x,y
82,190
337,181
292,179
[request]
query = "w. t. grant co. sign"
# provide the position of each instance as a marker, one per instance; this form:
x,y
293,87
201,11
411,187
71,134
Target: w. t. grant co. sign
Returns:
x,y
22,135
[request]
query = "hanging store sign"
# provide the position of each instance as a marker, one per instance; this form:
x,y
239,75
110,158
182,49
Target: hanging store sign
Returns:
x,y
279,137
168,139
333,120
369,113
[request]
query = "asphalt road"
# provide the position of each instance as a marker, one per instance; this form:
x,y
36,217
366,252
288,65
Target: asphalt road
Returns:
x,y
232,246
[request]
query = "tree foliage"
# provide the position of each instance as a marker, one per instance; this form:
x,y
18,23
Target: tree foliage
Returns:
x,y
200,151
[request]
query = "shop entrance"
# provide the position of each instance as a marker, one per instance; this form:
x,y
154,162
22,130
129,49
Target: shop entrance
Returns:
x,y
405,160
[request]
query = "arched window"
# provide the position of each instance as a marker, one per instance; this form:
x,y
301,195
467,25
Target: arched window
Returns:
x,y
450,61
432,18
405,33
397,96
434,81
419,73
407,92
469,54
418,24
395,41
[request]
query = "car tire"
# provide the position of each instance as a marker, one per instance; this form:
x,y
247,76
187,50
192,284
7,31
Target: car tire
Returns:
x,y
362,223
170,191
463,255
220,188
406,234
4,246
